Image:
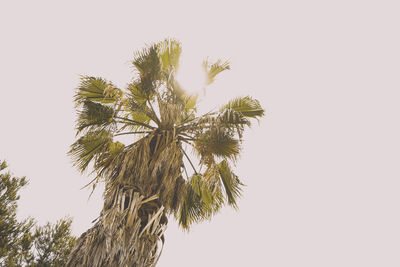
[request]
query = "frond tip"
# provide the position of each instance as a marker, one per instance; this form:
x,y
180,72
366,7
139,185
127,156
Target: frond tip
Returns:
x,y
247,106
169,52
212,70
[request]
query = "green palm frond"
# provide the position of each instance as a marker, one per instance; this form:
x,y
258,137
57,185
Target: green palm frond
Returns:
x,y
196,124
147,61
89,148
148,65
212,70
169,52
94,116
139,112
217,142
231,183
139,117
246,106
190,102
96,90
138,94
203,190
202,200
231,117
190,210
212,185
108,155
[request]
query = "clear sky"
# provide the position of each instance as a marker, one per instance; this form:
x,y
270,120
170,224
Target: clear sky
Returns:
x,y
322,169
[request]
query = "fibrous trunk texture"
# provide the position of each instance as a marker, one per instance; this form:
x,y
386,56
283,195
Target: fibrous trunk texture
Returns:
x,y
144,185
129,235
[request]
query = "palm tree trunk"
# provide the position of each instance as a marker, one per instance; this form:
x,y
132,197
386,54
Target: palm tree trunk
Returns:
x,y
128,233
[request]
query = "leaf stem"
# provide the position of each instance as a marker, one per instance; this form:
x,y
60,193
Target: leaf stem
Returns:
x,y
189,161
132,133
136,122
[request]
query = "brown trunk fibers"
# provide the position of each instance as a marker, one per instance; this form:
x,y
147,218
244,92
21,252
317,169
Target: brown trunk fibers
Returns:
x,y
145,185
122,237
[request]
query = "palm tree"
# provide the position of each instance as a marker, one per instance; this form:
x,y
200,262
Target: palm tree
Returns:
x,y
150,175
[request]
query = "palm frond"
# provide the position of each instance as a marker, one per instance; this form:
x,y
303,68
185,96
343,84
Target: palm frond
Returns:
x,y
140,117
217,142
94,116
147,61
202,200
212,70
138,93
231,117
89,147
148,65
202,189
169,52
190,102
139,112
190,210
212,185
246,106
96,89
107,155
231,183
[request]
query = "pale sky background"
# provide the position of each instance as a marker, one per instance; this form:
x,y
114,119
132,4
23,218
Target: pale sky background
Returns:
x,y
322,169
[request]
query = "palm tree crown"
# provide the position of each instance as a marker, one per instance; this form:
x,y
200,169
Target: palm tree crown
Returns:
x,y
161,122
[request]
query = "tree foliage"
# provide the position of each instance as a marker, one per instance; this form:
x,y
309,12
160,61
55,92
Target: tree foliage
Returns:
x,y
23,243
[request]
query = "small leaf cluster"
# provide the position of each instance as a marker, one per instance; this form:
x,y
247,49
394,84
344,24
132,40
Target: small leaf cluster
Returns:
x,y
23,243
